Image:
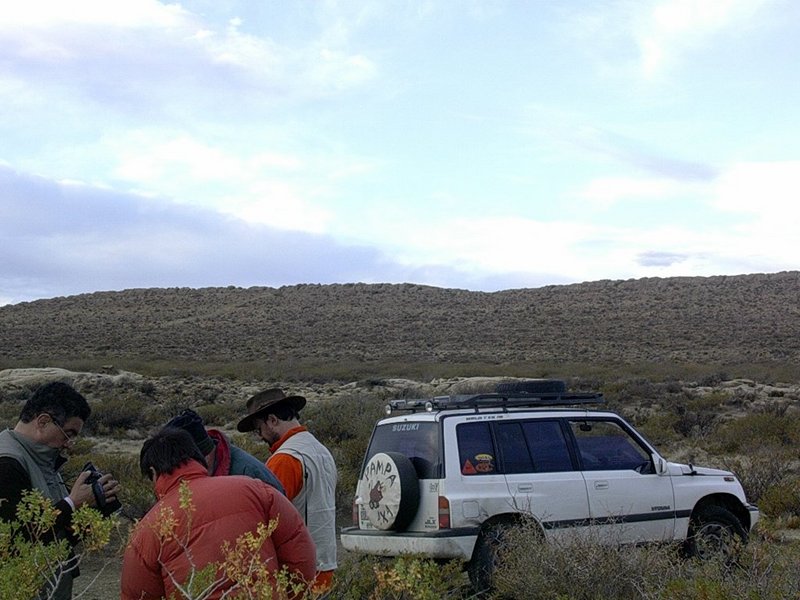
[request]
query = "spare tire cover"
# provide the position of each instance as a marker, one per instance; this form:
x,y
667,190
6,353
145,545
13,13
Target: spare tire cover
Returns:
x,y
533,386
389,491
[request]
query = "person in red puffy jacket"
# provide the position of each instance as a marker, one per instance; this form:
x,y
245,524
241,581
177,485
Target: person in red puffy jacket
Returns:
x,y
157,559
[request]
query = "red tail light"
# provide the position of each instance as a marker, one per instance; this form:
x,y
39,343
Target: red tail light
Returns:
x,y
444,513
355,513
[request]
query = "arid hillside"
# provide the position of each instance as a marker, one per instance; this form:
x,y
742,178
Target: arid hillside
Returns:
x,y
720,320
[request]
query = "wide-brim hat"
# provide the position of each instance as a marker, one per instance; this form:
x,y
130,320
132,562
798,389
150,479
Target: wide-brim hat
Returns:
x,y
262,403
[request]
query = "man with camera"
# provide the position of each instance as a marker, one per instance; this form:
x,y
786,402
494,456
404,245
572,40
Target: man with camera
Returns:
x,y
31,455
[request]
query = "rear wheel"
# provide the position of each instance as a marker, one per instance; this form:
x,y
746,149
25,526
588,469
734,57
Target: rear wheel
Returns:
x,y
714,532
487,555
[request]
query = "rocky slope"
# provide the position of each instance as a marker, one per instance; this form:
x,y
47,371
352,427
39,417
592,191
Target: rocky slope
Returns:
x,y
724,320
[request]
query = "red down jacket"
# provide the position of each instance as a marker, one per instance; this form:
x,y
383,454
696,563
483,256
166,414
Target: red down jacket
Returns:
x,y
224,509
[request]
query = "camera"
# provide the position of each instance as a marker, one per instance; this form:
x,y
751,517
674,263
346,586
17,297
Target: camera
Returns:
x,y
105,507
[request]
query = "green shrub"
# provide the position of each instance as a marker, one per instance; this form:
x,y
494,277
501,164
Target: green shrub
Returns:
x,y
28,559
585,570
763,571
402,578
9,413
157,415
119,413
782,499
252,444
754,431
660,429
695,419
218,414
762,470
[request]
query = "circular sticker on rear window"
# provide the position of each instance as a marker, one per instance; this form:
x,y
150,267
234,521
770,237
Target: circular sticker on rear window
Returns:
x,y
484,463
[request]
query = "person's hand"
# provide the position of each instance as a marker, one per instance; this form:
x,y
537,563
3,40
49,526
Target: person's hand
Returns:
x,y
81,492
111,487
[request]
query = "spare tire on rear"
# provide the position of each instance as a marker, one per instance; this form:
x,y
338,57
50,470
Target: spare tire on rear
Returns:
x,y
389,491
533,386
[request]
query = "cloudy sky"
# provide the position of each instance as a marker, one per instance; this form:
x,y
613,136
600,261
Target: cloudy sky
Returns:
x,y
481,145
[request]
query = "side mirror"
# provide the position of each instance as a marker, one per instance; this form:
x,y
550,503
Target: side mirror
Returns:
x,y
660,465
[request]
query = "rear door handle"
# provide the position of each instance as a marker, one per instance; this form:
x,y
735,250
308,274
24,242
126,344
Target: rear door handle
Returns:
x,y
525,487
601,485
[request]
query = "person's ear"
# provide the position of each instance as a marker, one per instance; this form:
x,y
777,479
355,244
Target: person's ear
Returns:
x,y
153,474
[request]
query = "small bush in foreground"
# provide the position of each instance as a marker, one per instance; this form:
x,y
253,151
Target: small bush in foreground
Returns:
x,y
580,569
30,560
402,578
585,570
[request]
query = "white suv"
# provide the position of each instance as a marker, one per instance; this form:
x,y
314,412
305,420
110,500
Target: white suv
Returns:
x,y
447,475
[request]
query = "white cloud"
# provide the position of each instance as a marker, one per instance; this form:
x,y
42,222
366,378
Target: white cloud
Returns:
x,y
768,190
605,192
673,28
168,50
769,195
47,14
280,205
259,187
491,245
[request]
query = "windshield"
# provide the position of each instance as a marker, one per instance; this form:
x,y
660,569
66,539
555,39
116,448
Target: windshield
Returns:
x,y
418,441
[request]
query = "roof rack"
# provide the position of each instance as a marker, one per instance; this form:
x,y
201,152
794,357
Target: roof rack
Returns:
x,y
495,400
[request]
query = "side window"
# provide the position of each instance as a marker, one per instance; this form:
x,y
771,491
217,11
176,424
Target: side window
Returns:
x,y
605,445
548,447
513,449
475,449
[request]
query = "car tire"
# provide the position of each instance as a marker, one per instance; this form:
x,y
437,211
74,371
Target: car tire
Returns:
x,y
486,556
713,532
389,489
533,386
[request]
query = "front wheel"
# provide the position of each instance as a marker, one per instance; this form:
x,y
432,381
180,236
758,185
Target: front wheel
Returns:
x,y
714,532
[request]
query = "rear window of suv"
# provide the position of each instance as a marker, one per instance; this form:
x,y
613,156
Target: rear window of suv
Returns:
x,y
418,441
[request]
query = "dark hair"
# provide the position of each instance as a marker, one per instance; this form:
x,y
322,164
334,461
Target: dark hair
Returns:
x,y
58,399
167,450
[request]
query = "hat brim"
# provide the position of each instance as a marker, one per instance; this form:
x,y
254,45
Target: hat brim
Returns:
x,y
248,423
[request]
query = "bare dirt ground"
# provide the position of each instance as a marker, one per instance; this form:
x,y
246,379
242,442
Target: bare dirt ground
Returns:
x,y
100,577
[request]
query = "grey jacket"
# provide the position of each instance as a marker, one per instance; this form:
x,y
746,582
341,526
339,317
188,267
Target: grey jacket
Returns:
x,y
41,463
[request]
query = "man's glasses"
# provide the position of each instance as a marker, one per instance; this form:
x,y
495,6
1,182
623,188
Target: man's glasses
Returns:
x,y
69,437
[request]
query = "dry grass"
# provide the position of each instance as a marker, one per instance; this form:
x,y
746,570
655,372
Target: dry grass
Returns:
x,y
585,570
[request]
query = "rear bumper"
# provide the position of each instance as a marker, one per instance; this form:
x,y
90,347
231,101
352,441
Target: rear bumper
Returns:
x,y
448,543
